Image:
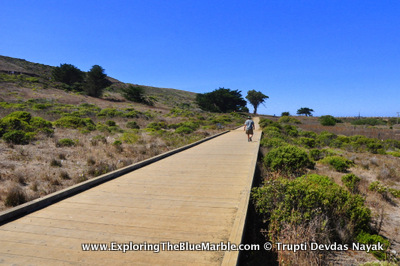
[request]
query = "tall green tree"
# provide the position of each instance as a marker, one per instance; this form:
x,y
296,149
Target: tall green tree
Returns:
x,y
96,81
305,111
68,74
256,98
221,100
134,93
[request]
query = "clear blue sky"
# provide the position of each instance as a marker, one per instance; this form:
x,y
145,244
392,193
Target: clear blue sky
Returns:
x,y
337,57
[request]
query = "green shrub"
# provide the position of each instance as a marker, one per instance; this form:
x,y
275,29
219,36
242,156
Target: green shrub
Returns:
x,y
394,153
375,147
285,114
132,114
41,125
351,181
185,127
339,163
222,119
368,121
272,132
130,137
65,143
359,139
69,122
21,115
307,142
180,112
301,200
102,127
272,142
316,154
327,120
20,127
288,120
41,106
326,138
308,134
289,160
190,124
110,112
394,192
7,105
366,238
339,142
17,137
111,123
343,139
132,125
264,122
75,122
154,126
183,130
392,144
291,130
383,190
117,143
13,123
378,187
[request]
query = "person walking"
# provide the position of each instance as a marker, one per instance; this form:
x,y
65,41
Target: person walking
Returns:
x,y
249,127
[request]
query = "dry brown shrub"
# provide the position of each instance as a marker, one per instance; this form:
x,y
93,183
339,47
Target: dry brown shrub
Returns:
x,y
80,179
304,234
19,178
34,186
55,182
124,162
365,164
55,163
101,168
15,196
152,149
64,175
91,161
378,217
374,161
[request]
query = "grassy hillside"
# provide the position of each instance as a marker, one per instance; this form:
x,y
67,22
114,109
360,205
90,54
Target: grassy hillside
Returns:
x,y
53,138
36,76
9,64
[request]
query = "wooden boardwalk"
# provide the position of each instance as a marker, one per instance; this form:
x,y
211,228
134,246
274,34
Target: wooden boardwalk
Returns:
x,y
198,195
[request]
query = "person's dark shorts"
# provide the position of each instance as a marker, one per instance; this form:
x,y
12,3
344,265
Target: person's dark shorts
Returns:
x,y
249,131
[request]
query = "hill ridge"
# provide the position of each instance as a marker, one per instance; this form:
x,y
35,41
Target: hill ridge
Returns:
x,y
166,96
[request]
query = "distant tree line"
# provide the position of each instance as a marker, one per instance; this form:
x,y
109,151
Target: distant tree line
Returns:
x,y
92,82
226,100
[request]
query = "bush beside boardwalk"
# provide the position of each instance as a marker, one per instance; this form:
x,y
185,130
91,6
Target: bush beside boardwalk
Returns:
x,y
315,205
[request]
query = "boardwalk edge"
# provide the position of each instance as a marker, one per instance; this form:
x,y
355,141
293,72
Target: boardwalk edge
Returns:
x,y
40,203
